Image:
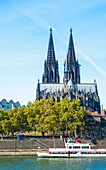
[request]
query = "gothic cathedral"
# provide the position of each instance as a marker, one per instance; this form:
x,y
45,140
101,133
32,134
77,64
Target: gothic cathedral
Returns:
x,y
71,87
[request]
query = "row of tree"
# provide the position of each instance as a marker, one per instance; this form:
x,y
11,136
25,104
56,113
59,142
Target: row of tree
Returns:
x,y
44,116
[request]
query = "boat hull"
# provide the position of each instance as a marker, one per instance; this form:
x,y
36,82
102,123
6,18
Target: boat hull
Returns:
x,y
78,155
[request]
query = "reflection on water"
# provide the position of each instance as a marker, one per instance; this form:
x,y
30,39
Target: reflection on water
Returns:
x,y
34,163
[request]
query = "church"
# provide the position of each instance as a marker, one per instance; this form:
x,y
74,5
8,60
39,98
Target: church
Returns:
x,y
51,88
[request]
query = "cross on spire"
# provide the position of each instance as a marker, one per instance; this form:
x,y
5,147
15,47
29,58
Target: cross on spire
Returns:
x,y
50,30
70,30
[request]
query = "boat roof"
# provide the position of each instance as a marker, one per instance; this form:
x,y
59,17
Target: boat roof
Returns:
x,y
78,144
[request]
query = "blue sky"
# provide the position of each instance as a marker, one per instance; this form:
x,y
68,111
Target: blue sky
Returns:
x,y
24,36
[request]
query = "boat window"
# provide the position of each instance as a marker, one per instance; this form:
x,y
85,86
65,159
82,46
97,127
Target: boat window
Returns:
x,y
85,147
70,147
76,147
70,141
85,152
55,152
102,152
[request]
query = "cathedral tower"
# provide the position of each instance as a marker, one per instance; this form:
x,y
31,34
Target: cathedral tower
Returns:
x,y
51,71
71,66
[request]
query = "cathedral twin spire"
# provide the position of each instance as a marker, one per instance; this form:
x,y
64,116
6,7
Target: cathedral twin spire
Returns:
x,y
71,67
51,71
51,52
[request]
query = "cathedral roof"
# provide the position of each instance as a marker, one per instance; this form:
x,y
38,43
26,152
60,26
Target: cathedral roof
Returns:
x,y
88,87
51,87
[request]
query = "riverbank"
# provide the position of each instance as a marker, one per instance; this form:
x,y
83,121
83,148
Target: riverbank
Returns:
x,y
30,147
21,152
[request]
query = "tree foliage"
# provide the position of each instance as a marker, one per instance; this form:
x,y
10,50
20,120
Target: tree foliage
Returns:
x,y
44,116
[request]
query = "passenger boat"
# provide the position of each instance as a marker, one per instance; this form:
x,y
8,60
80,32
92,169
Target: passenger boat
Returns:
x,y
73,150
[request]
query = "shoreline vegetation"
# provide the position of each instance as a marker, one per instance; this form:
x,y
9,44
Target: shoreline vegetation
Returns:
x,y
44,117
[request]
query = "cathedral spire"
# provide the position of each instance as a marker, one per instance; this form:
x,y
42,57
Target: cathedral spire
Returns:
x,y
51,52
71,51
71,68
51,71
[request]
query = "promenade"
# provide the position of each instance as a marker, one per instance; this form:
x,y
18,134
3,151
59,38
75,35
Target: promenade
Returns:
x,y
21,152
30,147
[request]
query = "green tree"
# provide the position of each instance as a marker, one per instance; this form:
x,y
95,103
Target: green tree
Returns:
x,y
41,115
78,116
20,120
51,120
64,115
4,122
31,113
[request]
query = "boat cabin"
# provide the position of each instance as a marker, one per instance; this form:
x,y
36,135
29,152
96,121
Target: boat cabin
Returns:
x,y
72,145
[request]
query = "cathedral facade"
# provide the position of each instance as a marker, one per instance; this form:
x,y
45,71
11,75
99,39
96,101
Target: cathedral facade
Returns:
x,y
51,88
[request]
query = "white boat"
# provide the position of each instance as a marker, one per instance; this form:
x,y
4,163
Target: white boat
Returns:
x,y
73,150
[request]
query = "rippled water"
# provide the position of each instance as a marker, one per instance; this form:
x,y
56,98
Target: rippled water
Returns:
x,y
30,163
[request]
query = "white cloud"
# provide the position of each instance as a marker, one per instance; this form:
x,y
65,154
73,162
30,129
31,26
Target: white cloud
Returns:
x,y
36,19
86,57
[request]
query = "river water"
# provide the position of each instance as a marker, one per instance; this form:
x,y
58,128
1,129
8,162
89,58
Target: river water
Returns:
x,y
35,163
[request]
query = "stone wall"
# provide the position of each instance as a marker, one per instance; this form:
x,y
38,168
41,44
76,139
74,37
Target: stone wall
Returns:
x,y
95,127
103,126
30,144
